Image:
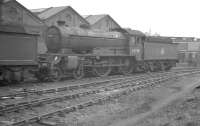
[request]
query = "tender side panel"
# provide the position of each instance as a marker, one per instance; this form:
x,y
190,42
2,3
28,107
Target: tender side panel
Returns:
x,y
18,49
159,51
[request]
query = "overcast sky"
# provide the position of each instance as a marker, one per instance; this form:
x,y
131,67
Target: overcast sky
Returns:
x,y
166,17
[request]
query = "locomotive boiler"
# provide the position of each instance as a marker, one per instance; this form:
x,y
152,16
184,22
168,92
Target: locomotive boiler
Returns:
x,y
82,40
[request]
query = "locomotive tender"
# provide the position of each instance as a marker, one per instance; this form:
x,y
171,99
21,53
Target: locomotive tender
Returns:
x,y
79,51
18,51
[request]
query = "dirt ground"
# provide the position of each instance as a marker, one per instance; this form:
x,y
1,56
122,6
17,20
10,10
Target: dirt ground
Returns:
x,y
182,112
142,108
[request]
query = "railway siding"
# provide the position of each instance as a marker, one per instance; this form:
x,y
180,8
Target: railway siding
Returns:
x,y
95,98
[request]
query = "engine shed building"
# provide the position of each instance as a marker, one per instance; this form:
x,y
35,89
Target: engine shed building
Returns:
x,y
13,13
66,14
102,22
188,50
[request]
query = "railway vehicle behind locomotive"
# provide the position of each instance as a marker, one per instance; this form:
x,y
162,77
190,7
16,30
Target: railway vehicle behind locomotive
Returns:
x,y
77,51
159,53
18,51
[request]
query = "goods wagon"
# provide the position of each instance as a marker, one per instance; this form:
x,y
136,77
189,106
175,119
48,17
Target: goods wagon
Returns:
x,y
18,50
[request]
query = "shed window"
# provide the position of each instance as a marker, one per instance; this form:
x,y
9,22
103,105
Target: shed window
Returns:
x,y
68,19
108,25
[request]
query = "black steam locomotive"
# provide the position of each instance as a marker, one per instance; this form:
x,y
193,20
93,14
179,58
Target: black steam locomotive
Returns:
x,y
77,52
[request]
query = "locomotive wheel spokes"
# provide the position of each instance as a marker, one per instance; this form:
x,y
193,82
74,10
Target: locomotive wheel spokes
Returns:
x,y
79,72
7,76
102,67
102,71
162,66
57,74
127,67
12,76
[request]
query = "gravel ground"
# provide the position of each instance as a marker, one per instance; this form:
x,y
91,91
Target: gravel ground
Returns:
x,y
28,86
182,112
133,106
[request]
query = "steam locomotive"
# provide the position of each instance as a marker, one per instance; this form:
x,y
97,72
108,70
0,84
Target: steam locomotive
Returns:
x,y
78,52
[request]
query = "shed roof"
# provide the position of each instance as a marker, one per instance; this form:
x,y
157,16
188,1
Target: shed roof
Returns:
x,y
29,12
46,13
134,32
92,19
160,39
183,39
38,11
85,16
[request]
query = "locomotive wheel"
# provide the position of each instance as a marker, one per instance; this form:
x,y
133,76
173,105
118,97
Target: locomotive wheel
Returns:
x,y
79,72
102,71
151,67
103,68
42,74
162,66
8,76
17,77
57,74
146,67
127,67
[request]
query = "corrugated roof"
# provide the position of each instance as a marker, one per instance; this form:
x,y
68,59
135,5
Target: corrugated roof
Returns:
x,y
48,12
92,19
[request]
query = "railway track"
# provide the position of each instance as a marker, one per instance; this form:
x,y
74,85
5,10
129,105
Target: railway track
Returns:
x,y
84,98
68,89
94,95
83,83
66,92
